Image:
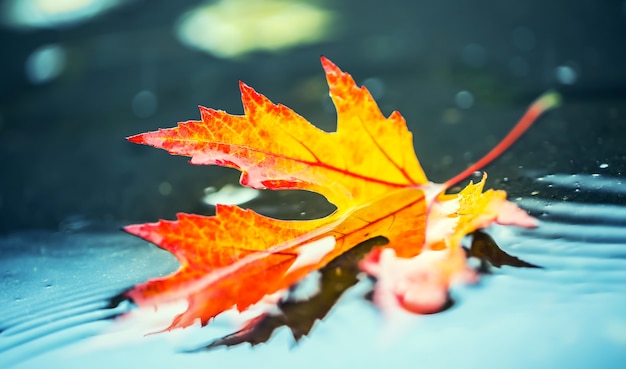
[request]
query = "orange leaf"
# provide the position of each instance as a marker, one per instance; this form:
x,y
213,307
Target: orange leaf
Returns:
x,y
367,168
276,148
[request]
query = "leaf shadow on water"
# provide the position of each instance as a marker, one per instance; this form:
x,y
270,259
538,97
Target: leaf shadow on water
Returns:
x,y
335,279
488,252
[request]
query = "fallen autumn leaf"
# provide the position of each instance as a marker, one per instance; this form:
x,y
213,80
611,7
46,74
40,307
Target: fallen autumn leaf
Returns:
x,y
367,169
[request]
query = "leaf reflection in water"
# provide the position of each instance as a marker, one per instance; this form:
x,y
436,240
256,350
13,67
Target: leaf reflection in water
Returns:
x,y
335,279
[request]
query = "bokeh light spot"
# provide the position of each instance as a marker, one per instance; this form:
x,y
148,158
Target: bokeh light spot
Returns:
x,y
45,63
25,14
566,75
145,103
233,28
464,99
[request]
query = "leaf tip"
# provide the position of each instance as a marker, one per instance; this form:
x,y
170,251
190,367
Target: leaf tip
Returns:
x,y
329,67
134,229
138,139
249,96
151,232
246,90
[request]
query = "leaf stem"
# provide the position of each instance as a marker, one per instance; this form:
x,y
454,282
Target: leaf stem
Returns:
x,y
545,102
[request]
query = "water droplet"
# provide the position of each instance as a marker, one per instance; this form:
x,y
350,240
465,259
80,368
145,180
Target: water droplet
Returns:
x,y
145,104
565,75
45,63
464,99
534,193
604,166
165,188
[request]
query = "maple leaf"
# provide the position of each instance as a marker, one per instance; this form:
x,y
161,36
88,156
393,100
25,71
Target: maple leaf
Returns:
x,y
367,169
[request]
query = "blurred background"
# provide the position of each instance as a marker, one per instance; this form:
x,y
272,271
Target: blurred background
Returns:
x,y
78,76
